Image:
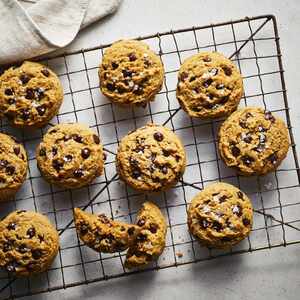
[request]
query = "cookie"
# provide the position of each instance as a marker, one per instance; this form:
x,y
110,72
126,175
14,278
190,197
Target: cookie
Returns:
x,y
28,243
253,141
13,166
151,240
70,155
220,216
209,85
130,73
30,95
151,158
103,234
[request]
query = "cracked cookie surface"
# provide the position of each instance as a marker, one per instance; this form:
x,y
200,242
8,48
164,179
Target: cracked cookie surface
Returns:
x,y
220,216
30,95
104,234
151,158
70,155
28,243
253,141
151,240
209,85
13,166
130,73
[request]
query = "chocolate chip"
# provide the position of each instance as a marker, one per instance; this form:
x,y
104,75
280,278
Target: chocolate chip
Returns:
x,y
36,253
25,114
31,232
21,211
132,57
220,86
2,180
141,222
77,138
84,228
10,170
272,158
67,137
164,170
24,78
269,116
141,238
248,115
8,92
137,90
204,224
213,71
248,160
121,90
217,226
243,124
240,195
41,238
235,151
153,228
85,153
246,222
96,139
259,148
131,230
110,86
261,128
29,94
57,165
247,138
207,83
11,266
11,101
136,174
184,76
114,65
78,173
6,247
104,219
23,248
193,78
227,71
68,158
3,163
127,73
54,151
45,72
206,59
237,210
262,138
11,226
39,92
41,110
222,199
42,152
17,150
158,136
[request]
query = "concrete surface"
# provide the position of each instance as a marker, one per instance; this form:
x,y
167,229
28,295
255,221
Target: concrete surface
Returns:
x,y
272,274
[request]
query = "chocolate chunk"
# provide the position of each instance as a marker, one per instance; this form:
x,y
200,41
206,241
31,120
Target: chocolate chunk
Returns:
x,y
57,165
54,151
222,199
240,195
29,94
8,92
23,248
136,174
153,228
141,238
269,116
273,158
227,70
237,210
137,90
243,124
11,101
11,266
42,152
11,226
103,218
41,110
259,148
83,228
193,78
141,222
31,232
110,86
3,163
247,160
164,170
132,57
78,173
213,71
24,78
204,224
131,230
207,83
206,59
6,246
114,65
68,158
220,86
10,170
25,114
247,138
45,72
96,139
85,153
246,222
127,73
217,226
262,138
17,150
158,136
184,76
261,129
235,151
36,253
77,138
39,92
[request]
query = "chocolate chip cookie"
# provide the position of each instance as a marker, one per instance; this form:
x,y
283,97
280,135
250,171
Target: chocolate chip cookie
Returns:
x,y
151,158
220,216
70,155
151,240
253,141
130,73
103,234
13,166
30,95
209,85
28,243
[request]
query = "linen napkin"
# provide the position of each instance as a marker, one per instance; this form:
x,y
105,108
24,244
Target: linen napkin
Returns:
x,y
46,25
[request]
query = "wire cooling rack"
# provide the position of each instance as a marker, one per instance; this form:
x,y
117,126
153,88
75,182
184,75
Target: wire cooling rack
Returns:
x,y
253,43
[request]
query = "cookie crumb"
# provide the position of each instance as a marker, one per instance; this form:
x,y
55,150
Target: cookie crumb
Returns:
x,y
179,254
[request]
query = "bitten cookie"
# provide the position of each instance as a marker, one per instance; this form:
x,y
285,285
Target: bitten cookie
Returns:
x,y
220,216
209,85
130,73
151,240
28,243
30,95
103,234
13,166
253,141
70,155
151,158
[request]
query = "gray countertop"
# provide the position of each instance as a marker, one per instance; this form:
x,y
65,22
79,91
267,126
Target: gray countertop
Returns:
x,y
263,274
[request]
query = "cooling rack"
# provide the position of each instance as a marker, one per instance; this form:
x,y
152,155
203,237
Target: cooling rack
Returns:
x,y
253,44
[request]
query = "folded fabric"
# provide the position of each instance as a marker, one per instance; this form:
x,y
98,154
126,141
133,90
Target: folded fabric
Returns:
x,y
45,26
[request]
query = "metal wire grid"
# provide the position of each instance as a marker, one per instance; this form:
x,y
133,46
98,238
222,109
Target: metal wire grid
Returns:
x,y
253,43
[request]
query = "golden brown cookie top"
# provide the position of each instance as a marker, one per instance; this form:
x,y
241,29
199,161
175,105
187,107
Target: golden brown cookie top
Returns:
x,y
253,141
151,158
209,85
102,233
130,73
30,95
28,243
220,215
70,155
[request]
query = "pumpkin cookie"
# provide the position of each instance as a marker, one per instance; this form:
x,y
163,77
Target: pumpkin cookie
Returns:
x,y
151,158
151,240
13,166
130,73
28,243
220,216
30,95
253,141
103,234
70,155
209,85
